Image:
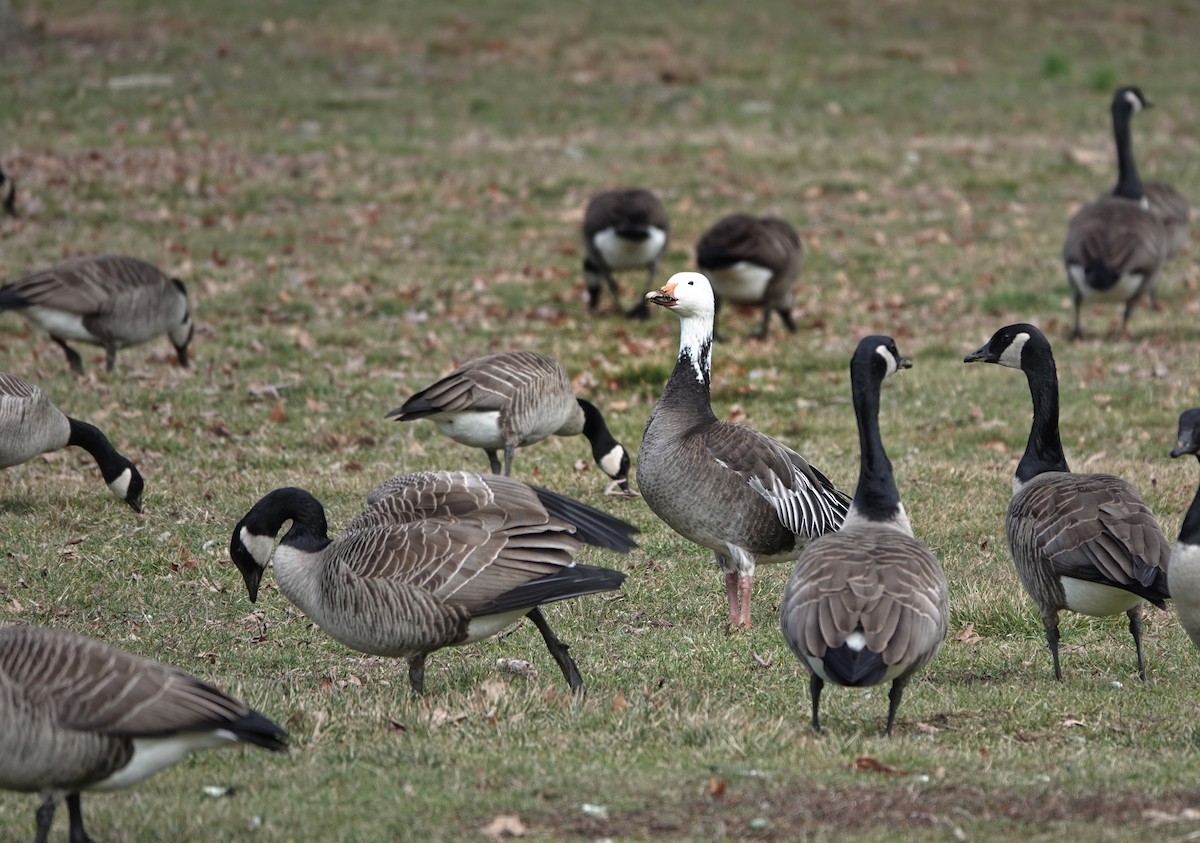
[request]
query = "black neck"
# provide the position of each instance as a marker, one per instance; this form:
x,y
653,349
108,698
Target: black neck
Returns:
x,y
1189,533
876,496
1043,451
687,387
309,531
1129,185
90,438
595,428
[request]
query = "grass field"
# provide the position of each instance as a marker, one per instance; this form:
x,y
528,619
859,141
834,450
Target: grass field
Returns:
x,y
361,195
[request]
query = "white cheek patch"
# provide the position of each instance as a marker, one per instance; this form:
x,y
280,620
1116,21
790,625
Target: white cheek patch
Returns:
x,y
889,358
120,484
260,547
610,463
1012,355
1133,100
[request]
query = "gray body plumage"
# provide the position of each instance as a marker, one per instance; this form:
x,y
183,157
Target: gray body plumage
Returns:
x,y
752,260
79,715
622,229
502,402
112,301
721,485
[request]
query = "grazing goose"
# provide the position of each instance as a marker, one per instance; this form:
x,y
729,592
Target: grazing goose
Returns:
x,y
437,559
1166,202
31,425
1183,576
1116,246
1083,542
868,603
8,194
108,300
723,485
80,715
622,229
506,401
752,260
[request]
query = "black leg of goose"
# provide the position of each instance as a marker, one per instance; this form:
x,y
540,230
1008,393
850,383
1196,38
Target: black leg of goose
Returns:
x,y
509,450
416,673
1052,643
78,835
894,695
73,358
1077,299
558,650
493,462
1135,629
110,358
785,313
1125,317
611,280
815,684
45,818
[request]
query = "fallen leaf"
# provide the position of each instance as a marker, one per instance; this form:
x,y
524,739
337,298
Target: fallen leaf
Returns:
x,y
867,764
967,635
717,787
504,825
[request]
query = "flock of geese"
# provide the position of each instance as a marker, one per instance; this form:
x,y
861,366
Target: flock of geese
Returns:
x,y
444,558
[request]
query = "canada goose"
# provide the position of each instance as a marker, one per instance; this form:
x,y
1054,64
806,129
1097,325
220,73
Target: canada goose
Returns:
x,y
752,260
31,425
436,559
108,300
1183,577
8,194
1083,542
81,715
868,603
723,485
1167,203
1116,246
506,401
622,229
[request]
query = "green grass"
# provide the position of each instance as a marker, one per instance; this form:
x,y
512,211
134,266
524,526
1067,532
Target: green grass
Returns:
x,y
360,196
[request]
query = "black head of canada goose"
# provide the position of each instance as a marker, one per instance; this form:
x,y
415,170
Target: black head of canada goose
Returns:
x,y
108,300
81,715
8,194
622,229
721,485
1082,542
1183,576
502,402
752,260
30,425
1164,201
437,559
1116,246
869,603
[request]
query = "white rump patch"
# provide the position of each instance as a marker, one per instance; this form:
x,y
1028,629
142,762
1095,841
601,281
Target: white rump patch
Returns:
x,y
610,463
60,323
484,627
1125,288
153,754
120,484
1097,600
620,253
742,283
474,428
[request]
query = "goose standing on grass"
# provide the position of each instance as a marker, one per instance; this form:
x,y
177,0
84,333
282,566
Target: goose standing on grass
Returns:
x,y
1116,246
722,485
868,603
752,260
1082,542
1167,203
622,229
505,401
8,194
107,300
1183,576
30,425
437,559
81,715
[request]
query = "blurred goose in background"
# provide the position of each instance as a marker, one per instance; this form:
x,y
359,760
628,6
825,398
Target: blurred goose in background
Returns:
x,y
107,300
752,260
506,401
437,559
1116,246
622,229
8,194
722,485
1167,203
869,603
81,715
30,425
1183,576
1082,542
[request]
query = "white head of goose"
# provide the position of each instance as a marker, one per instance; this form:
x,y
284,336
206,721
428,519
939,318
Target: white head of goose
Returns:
x,y
112,301
81,715
622,229
509,400
869,603
437,559
30,425
1183,576
1083,542
722,485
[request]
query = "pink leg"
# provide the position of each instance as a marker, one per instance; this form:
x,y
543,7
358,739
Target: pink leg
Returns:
x,y
731,592
744,586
